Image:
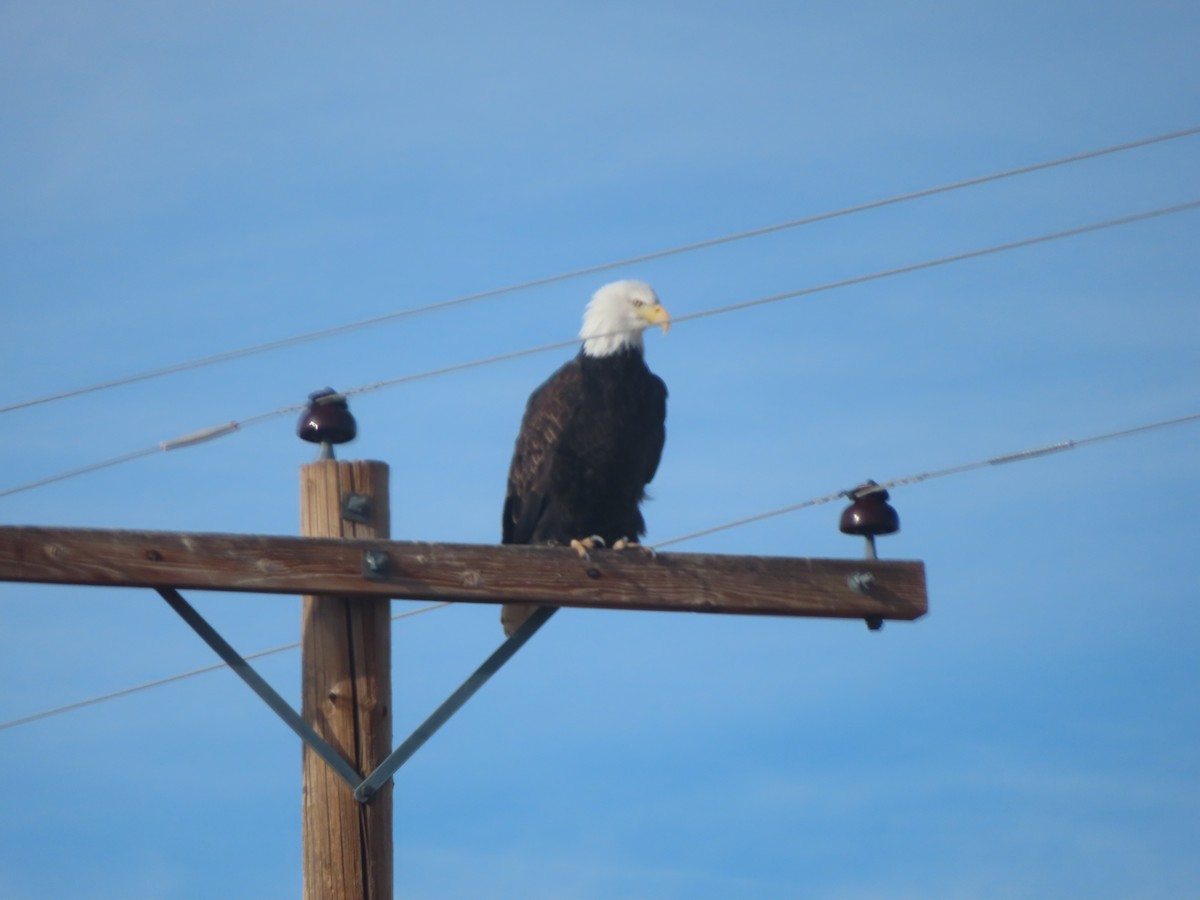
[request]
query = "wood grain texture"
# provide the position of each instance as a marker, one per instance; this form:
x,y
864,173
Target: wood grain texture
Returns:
x,y
467,573
346,697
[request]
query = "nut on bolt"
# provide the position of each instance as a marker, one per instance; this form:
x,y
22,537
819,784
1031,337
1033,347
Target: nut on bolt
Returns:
x,y
861,582
375,564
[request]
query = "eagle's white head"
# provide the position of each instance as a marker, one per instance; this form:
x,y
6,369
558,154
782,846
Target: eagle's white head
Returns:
x,y
618,314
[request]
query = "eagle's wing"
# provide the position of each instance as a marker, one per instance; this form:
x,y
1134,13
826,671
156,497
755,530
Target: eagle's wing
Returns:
x,y
549,410
656,434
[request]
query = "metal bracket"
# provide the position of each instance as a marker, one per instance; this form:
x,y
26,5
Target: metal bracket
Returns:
x,y
256,683
453,703
364,788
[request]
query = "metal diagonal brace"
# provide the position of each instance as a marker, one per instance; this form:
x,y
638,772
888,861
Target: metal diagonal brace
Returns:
x,y
364,789
453,703
246,672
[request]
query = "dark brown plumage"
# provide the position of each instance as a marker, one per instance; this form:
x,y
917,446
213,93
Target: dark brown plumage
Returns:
x,y
590,440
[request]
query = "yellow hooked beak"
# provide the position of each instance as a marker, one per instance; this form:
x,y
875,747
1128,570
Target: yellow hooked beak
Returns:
x,y
656,314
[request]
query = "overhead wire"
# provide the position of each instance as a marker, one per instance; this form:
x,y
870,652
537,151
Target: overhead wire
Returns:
x,y
946,260
332,331
916,478
1018,456
170,679
223,429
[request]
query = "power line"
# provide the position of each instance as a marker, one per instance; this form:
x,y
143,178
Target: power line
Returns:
x,y
946,260
1019,456
229,427
1003,459
293,340
170,679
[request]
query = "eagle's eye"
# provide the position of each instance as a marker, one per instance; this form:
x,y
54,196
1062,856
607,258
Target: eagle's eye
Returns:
x,y
639,303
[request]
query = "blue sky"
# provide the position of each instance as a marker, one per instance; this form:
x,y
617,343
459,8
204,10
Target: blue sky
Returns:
x,y
180,181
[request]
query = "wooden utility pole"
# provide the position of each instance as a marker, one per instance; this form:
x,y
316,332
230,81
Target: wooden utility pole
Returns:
x,y
348,570
347,693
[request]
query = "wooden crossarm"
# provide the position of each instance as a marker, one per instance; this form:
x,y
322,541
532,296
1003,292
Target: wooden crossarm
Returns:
x,y
466,573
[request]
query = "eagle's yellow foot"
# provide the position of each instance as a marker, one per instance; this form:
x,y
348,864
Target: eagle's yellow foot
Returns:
x,y
583,545
625,544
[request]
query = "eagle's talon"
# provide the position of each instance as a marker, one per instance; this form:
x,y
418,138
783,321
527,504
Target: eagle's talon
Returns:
x,y
626,544
583,545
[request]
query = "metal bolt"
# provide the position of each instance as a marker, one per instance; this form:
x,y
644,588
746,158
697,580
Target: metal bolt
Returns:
x,y
861,582
357,508
375,564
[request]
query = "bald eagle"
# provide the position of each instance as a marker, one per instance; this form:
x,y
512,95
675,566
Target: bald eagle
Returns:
x,y
592,435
